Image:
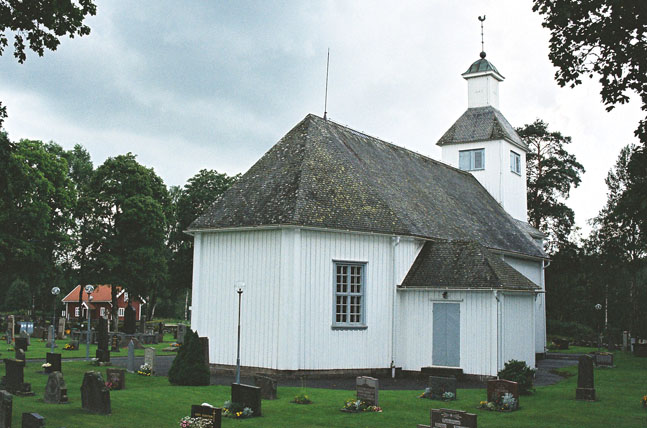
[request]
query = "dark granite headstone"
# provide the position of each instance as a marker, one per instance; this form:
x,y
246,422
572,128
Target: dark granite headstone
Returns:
x,y
440,385
448,418
640,349
55,361
21,343
368,389
95,396
585,389
498,387
32,420
6,408
55,390
117,377
20,354
102,353
603,359
14,379
204,341
267,385
129,319
212,414
248,396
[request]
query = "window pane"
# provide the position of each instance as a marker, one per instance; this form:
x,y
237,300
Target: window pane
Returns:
x,y
464,161
478,159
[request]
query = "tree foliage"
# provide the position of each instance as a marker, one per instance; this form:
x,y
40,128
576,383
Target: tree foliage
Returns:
x,y
607,38
189,367
551,173
38,24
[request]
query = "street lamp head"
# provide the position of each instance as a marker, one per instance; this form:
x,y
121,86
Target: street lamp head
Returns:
x,y
55,291
239,286
89,289
598,306
91,297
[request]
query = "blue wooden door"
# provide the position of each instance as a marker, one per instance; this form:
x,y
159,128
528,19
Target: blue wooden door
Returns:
x,y
446,338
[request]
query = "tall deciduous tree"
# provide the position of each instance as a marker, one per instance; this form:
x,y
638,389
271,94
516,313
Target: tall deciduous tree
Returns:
x,y
128,227
607,38
551,174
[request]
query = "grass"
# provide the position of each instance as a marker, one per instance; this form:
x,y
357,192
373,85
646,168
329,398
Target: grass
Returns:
x,y
153,402
38,349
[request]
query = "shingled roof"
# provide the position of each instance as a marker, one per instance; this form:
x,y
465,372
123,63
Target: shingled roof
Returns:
x,y
322,174
463,265
481,124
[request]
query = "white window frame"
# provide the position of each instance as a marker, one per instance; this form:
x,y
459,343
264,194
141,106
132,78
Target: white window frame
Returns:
x,y
77,310
467,160
102,311
515,162
121,312
345,307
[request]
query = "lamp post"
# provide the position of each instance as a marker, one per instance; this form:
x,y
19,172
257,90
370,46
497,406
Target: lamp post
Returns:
x,y
239,287
55,292
88,289
598,308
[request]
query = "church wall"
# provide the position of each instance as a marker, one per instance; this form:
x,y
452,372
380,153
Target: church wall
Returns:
x,y
517,324
221,259
478,329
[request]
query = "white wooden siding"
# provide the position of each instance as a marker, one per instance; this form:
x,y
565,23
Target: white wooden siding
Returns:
x,y
478,331
518,328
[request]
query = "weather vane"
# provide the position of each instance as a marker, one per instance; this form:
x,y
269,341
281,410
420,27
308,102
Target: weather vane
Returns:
x,y
482,18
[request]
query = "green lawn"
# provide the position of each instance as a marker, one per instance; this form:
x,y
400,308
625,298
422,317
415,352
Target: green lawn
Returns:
x,y
153,402
38,349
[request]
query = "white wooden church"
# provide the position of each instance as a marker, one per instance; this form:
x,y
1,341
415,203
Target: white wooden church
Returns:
x,y
360,255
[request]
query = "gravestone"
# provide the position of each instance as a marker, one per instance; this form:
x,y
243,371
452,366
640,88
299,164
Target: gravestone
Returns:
x,y
181,332
60,332
267,385
368,389
142,324
212,414
611,342
448,418
603,359
499,387
625,341
149,358
25,335
55,361
160,332
21,343
102,353
55,390
50,337
95,396
640,349
248,396
6,408
585,389
14,381
114,346
20,354
204,341
440,385
11,328
130,366
32,420
117,377
129,319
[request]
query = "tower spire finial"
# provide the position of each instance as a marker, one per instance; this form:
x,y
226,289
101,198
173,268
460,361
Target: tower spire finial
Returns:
x,y
482,18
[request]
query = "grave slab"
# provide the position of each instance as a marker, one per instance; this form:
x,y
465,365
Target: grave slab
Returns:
x,y
55,390
448,418
248,396
95,397
368,389
268,387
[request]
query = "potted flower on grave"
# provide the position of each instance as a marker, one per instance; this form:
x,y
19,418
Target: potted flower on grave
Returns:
x,y
302,399
236,410
356,406
644,401
144,370
47,367
189,422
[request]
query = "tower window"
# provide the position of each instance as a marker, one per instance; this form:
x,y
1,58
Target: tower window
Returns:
x,y
471,160
515,162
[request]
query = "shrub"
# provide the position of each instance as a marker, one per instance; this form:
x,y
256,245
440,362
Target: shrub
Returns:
x,y
518,371
570,330
189,367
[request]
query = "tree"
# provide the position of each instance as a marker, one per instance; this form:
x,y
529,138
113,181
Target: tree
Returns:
x,y
607,38
551,173
200,192
189,367
126,228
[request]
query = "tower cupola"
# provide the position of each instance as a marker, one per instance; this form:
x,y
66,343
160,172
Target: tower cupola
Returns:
x,y
482,84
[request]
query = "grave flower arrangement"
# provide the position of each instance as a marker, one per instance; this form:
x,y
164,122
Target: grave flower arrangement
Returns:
x,y
302,399
356,406
189,422
644,400
69,347
505,403
426,393
46,365
236,410
144,370
448,396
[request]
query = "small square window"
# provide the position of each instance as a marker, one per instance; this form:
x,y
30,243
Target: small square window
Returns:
x,y
471,160
121,312
76,311
102,311
515,162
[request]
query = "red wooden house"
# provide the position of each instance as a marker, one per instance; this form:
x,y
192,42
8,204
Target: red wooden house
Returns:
x,y
100,304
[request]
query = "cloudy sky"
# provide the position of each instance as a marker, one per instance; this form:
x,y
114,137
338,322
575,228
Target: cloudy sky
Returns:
x,y
214,84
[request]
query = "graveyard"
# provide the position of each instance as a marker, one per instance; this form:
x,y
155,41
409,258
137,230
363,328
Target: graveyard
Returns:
x,y
152,401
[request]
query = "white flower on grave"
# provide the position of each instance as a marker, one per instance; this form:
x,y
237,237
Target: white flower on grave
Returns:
x,y
46,365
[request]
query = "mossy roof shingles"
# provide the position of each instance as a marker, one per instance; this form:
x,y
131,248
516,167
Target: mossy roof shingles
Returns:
x,y
322,174
461,264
